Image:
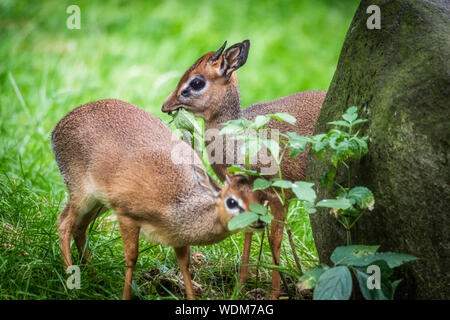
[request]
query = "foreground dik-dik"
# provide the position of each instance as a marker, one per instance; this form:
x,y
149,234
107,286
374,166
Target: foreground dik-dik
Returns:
x,y
115,155
209,88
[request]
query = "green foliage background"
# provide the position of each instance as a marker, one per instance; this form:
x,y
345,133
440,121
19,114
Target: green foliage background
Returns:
x,y
136,51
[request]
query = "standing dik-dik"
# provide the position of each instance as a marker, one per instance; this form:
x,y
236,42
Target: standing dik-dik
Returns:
x,y
115,155
209,88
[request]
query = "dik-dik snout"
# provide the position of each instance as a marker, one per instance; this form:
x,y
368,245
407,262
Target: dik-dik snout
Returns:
x,y
238,195
232,199
210,80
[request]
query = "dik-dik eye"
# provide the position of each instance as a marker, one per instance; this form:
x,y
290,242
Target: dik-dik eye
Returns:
x,y
232,203
197,84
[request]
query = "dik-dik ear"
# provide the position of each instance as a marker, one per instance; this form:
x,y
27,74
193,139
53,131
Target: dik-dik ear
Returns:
x,y
238,179
205,181
233,58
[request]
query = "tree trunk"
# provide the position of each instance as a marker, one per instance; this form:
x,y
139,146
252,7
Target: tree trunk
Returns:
x,y
399,76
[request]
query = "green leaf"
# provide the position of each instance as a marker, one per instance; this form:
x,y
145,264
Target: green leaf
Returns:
x,y
335,138
347,149
363,149
284,117
251,146
319,142
304,191
260,121
296,143
350,117
239,170
261,184
393,259
293,153
355,255
309,207
286,184
351,110
327,180
362,144
395,285
258,208
359,121
273,147
183,119
266,218
363,197
242,220
334,284
386,289
335,203
353,149
361,255
231,129
236,126
339,123
310,278
337,133
335,159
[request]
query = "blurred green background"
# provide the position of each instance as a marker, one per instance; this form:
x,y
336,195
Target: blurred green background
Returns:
x,y
136,51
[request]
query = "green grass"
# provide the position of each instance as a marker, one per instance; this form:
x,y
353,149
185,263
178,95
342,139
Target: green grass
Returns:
x,y
136,52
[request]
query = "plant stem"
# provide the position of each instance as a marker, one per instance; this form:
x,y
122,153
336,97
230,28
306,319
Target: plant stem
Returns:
x,y
353,223
349,237
278,195
259,256
294,251
348,174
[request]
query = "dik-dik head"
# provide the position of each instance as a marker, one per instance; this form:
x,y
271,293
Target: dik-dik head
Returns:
x,y
210,82
233,198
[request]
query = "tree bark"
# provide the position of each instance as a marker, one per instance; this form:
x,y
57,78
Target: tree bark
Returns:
x,y
399,76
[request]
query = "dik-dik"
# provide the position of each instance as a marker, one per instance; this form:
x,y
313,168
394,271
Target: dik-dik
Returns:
x,y
209,88
113,155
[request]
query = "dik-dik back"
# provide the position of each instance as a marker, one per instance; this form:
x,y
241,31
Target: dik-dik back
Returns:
x,y
305,107
117,155
115,152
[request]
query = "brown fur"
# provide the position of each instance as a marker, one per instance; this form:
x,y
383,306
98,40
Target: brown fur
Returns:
x,y
115,155
221,102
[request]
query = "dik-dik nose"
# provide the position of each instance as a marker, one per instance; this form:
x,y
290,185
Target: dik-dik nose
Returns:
x,y
258,225
171,103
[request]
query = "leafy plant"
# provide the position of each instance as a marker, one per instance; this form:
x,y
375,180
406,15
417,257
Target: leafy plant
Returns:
x,y
256,212
335,283
188,129
340,147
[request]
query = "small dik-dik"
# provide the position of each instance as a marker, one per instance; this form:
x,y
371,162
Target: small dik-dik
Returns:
x,y
113,155
209,88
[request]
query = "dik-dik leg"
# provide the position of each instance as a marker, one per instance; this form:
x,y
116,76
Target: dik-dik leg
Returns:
x,y
276,237
130,235
79,231
184,258
66,222
243,275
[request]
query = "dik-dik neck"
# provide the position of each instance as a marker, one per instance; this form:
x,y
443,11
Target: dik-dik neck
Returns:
x,y
203,225
228,107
